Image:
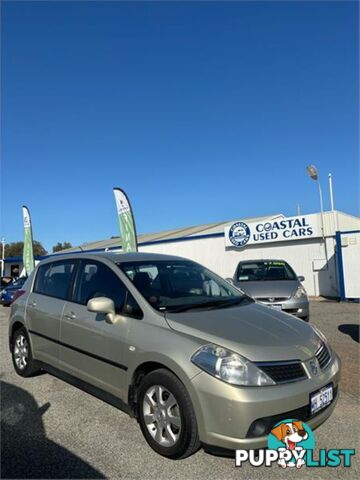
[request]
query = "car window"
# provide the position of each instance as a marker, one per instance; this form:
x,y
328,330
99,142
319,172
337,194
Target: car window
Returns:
x,y
270,270
53,279
97,280
19,282
178,283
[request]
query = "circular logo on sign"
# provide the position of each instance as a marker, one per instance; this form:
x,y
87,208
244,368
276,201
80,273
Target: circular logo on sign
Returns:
x,y
239,234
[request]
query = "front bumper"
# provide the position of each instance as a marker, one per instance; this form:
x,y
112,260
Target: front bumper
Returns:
x,y
294,306
225,413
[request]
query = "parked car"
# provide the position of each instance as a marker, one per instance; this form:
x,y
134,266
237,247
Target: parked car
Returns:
x,y
5,281
8,294
196,361
275,284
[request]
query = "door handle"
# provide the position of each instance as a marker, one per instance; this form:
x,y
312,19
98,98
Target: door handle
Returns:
x,y
70,315
32,304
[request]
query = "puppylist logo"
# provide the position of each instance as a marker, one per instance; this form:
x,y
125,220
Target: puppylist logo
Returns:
x,y
292,439
291,443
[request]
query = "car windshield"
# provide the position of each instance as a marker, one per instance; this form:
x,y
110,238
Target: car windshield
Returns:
x,y
19,282
180,285
265,270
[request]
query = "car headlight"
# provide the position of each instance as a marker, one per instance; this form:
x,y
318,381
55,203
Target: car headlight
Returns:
x,y
229,366
300,292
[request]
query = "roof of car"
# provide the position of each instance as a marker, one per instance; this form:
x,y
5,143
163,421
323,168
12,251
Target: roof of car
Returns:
x,y
114,257
263,260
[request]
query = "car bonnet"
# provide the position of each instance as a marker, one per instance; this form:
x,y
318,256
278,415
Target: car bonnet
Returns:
x,y
255,331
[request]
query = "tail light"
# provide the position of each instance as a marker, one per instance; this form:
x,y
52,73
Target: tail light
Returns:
x,y
18,294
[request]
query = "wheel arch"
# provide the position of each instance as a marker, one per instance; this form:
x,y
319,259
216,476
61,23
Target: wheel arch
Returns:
x,y
16,325
139,373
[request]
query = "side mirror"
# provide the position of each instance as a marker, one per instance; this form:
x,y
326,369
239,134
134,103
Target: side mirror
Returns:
x,y
301,278
103,305
230,280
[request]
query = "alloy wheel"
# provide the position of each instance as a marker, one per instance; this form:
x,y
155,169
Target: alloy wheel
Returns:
x,y
21,352
162,415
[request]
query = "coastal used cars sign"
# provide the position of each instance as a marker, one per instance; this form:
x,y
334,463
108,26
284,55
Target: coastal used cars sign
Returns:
x,y
280,229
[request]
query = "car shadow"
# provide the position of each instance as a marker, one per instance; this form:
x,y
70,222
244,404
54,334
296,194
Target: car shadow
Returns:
x,y
351,329
26,452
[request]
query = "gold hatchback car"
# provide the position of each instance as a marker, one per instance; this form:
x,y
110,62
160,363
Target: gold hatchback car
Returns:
x,y
191,357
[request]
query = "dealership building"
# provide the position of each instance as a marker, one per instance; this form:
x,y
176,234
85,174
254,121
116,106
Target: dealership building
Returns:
x,y
324,248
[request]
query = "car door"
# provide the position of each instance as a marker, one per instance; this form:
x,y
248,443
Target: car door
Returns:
x,y
91,348
45,306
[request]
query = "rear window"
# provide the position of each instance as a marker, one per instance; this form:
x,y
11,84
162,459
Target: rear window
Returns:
x,y
19,282
53,279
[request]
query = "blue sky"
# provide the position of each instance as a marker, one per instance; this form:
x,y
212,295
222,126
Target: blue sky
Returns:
x,y
201,111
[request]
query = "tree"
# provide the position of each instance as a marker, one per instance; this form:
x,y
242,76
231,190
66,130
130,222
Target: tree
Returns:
x,y
15,249
61,246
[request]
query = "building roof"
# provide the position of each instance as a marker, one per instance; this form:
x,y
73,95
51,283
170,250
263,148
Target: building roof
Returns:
x,y
346,223
167,235
19,258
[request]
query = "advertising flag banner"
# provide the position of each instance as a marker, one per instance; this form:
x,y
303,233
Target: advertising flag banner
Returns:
x,y
126,221
28,253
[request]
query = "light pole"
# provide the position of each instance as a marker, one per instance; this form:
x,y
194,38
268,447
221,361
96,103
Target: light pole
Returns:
x,y
331,193
313,174
332,203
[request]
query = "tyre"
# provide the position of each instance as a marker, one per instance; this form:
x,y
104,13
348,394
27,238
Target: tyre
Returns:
x,y
22,358
166,415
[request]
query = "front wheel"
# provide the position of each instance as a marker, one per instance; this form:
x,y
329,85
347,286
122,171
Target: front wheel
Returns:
x,y
166,415
22,358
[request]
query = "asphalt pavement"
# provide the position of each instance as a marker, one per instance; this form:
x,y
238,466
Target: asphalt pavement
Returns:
x,y
50,429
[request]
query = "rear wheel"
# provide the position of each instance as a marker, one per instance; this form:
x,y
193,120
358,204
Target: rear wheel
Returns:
x,y
166,415
22,358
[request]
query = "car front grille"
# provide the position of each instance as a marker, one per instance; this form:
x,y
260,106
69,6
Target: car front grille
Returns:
x,y
283,372
323,356
271,299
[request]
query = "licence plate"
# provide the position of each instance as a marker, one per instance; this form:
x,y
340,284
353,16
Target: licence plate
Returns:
x,y
274,306
321,398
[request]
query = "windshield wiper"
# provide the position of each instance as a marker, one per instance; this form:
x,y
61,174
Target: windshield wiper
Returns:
x,y
211,305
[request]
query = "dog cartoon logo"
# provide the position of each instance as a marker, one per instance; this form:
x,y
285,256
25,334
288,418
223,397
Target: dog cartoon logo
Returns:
x,y
291,438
